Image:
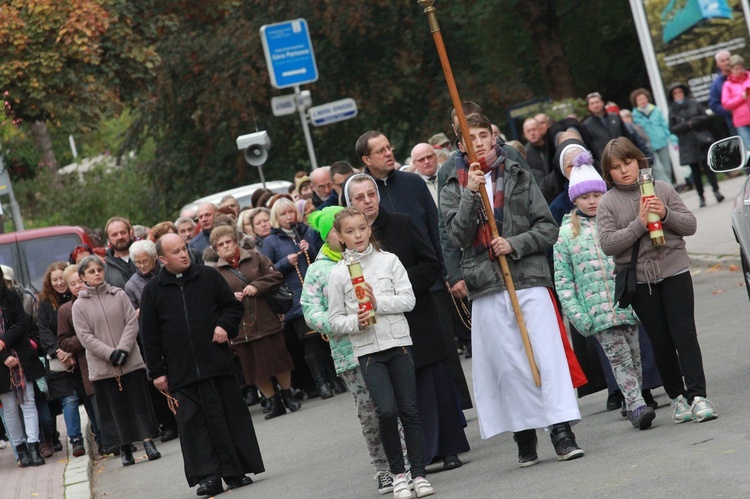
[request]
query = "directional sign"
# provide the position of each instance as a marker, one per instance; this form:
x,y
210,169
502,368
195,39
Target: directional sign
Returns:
x,y
283,105
332,112
289,53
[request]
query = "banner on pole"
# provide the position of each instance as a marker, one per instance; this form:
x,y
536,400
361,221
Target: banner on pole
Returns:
x,y
687,33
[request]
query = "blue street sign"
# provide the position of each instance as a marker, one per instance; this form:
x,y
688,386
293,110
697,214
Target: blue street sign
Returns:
x,y
289,53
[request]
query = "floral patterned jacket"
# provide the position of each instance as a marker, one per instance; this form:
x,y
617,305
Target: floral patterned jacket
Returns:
x,y
585,280
314,301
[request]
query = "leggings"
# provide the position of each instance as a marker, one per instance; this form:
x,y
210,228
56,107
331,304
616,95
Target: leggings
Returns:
x,y
666,310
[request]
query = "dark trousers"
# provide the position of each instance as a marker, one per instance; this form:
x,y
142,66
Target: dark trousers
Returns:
x,y
389,376
667,313
698,169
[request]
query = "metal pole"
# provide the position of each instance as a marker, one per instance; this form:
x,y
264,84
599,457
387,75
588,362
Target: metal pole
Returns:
x,y
305,129
262,177
15,210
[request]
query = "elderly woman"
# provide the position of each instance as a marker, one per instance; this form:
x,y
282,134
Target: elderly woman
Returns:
x,y
292,246
106,324
19,367
260,344
63,384
68,341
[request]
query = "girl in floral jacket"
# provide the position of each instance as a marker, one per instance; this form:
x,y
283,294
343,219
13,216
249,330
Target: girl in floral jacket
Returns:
x,y
584,278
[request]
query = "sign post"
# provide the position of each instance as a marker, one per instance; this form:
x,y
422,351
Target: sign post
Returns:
x,y
332,112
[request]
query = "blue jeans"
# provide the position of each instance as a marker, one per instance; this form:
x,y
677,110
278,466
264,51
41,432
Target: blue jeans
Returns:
x,y
72,416
744,132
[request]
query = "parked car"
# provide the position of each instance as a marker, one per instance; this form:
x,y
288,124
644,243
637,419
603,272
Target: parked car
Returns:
x,y
728,155
29,252
242,194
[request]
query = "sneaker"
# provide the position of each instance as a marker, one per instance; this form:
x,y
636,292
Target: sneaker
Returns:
x,y
385,482
681,410
78,448
703,410
527,445
3,444
422,487
641,417
401,487
564,441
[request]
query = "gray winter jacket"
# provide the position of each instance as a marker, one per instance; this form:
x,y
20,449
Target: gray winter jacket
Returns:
x,y
527,225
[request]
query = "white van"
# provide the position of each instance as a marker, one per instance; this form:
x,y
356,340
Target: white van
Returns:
x,y
241,194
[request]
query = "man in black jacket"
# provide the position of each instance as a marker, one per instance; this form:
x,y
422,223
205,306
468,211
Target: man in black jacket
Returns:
x,y
188,313
603,127
118,269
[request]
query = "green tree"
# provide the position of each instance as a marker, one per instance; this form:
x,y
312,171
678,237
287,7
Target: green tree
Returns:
x,y
68,63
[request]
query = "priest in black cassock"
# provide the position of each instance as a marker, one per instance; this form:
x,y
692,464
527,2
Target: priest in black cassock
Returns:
x,y
187,315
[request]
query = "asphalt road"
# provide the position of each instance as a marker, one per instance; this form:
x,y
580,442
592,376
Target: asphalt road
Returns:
x,y
318,452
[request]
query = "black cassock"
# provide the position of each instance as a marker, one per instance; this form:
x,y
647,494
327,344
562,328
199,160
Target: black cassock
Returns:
x,y
216,433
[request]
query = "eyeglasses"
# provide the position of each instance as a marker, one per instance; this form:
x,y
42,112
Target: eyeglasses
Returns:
x,y
382,150
423,160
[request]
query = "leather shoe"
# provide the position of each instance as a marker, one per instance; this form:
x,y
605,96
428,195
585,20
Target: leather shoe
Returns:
x,y
613,401
127,455
169,433
235,482
151,452
209,487
451,462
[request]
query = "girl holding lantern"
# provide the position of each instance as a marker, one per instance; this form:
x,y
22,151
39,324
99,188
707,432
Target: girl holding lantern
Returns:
x,y
664,301
382,345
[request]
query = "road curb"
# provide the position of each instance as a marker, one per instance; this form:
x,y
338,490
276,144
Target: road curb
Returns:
x,y
77,476
705,261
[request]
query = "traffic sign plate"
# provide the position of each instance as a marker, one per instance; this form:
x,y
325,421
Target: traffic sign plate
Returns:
x,y
283,105
332,112
289,53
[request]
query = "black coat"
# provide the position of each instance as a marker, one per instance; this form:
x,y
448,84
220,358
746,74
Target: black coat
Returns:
x,y
397,234
17,326
117,272
599,134
59,384
178,317
685,119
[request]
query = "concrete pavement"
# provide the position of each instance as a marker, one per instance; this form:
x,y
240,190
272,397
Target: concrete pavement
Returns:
x,y
712,244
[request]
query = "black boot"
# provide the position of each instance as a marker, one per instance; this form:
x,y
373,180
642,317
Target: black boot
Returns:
x,y
151,452
527,442
702,201
289,401
127,455
251,396
36,458
564,441
24,459
277,408
316,364
719,196
614,401
336,384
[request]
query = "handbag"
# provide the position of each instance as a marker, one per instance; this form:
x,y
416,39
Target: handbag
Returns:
x,y
280,299
625,283
705,138
56,366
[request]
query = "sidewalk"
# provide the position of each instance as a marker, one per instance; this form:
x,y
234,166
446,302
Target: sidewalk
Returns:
x,y
63,476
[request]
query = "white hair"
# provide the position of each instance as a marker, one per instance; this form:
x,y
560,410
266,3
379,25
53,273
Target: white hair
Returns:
x,y
144,246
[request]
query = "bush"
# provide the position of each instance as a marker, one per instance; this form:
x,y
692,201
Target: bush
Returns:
x,y
90,199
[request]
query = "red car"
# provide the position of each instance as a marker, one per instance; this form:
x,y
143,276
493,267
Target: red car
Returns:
x,y
29,252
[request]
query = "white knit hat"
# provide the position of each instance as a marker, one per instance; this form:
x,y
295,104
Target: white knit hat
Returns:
x,y
584,178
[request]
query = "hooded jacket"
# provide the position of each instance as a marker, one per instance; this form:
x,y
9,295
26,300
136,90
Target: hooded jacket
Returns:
x,y
732,99
685,119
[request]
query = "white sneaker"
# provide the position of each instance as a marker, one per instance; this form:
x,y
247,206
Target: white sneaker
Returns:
x,y
3,444
703,410
681,410
401,488
422,487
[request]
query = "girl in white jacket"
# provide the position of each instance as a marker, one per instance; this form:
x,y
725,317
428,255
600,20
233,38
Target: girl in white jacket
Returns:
x,y
383,349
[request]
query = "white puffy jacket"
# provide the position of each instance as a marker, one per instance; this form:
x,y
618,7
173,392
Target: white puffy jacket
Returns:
x,y
393,296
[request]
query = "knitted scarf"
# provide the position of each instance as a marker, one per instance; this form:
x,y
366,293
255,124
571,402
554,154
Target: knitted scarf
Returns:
x,y
494,163
330,253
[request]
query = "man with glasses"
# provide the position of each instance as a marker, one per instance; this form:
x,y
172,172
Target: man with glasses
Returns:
x,y
402,192
425,160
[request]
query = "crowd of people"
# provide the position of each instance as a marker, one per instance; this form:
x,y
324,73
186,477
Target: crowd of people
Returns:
x,y
373,280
